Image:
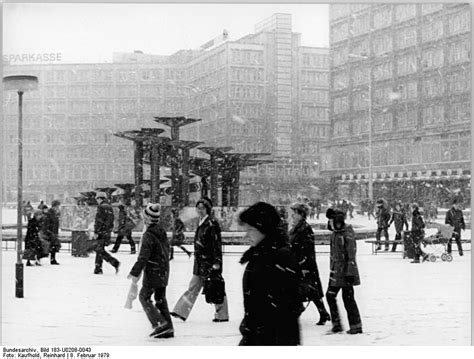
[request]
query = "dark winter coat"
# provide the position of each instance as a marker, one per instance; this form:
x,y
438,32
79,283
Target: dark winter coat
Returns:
x,y
178,236
417,225
153,258
400,219
383,217
32,240
343,250
125,223
302,246
455,218
50,229
104,220
207,248
271,303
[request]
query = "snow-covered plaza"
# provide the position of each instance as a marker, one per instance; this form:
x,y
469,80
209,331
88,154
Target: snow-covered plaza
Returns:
x,y
400,303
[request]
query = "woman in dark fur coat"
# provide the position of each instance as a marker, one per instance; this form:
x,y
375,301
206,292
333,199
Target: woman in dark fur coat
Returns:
x,y
302,245
270,282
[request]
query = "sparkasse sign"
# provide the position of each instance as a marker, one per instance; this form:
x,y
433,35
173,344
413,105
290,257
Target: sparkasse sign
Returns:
x,y
33,57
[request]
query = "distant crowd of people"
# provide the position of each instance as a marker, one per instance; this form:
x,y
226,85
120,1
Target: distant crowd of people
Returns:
x,y
281,273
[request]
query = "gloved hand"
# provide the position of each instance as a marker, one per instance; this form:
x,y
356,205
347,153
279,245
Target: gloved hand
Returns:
x,y
350,279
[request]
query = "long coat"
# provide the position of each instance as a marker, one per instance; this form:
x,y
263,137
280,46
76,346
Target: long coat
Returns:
x,y
455,219
125,223
417,225
207,247
302,245
153,258
383,217
400,219
32,240
50,229
271,303
104,220
343,250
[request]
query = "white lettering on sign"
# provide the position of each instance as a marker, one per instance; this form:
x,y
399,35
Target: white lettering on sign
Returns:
x,y
40,57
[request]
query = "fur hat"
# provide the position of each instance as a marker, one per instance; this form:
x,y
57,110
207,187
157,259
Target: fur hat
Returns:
x,y
338,218
101,195
152,212
302,208
55,203
379,203
262,216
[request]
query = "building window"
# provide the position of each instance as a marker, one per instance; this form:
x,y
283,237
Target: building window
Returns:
x,y
432,86
382,44
406,117
405,12
383,122
432,58
406,64
408,91
459,82
432,30
341,105
383,18
360,76
339,56
405,37
459,52
339,31
338,11
383,71
460,112
360,100
460,22
341,128
341,80
360,24
430,8
433,115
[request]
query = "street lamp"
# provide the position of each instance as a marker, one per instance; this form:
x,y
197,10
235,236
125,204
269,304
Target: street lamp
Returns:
x,y
371,189
20,84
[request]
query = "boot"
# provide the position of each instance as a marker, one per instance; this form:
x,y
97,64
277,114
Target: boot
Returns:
x,y
354,331
415,261
54,262
28,264
323,318
336,328
162,331
98,270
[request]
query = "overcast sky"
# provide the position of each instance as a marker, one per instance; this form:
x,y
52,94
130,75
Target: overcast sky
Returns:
x,y
92,32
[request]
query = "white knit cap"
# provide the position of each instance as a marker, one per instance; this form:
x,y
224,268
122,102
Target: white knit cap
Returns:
x,y
152,211
101,195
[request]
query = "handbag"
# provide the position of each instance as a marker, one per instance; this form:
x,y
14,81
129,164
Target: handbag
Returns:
x,y
214,289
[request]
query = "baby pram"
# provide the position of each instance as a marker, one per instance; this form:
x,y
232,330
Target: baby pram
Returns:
x,y
438,242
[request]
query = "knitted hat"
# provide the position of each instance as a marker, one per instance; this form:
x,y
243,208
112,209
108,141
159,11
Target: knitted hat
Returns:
x,y
262,216
152,212
101,195
302,208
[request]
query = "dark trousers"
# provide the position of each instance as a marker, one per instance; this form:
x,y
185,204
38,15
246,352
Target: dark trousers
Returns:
x,y
417,240
118,240
398,237
457,238
377,236
349,304
183,248
102,254
158,313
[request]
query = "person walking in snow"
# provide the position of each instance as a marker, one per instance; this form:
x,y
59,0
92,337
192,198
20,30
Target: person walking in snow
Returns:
x,y
344,273
153,261
272,303
50,230
125,226
417,234
455,218
103,226
177,237
302,245
207,262
383,219
33,248
400,219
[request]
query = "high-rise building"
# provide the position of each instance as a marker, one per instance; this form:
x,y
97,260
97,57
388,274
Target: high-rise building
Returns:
x,y
261,93
400,100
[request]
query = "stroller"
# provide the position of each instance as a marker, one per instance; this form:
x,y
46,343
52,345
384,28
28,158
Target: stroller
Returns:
x,y
438,243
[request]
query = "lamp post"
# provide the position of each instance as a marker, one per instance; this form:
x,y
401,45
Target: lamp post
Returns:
x,y
369,73
20,84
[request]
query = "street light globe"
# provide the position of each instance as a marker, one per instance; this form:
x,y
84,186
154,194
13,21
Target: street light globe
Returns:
x,y
21,83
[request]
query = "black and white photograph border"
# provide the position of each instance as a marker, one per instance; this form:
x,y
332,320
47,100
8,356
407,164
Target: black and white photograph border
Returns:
x,y
351,106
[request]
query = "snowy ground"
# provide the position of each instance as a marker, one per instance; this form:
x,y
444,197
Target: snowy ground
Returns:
x,y
400,303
